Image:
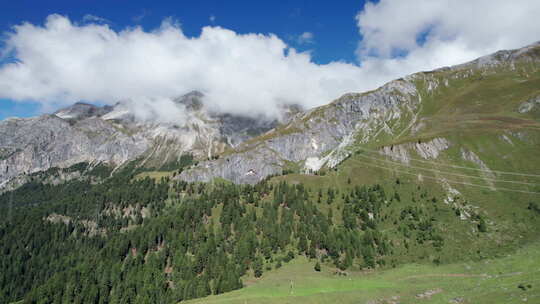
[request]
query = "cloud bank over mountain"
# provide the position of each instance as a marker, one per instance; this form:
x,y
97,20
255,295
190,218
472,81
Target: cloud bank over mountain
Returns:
x,y
405,36
61,61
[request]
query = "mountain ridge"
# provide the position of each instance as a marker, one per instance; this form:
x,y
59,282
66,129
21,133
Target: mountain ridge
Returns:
x,y
391,110
250,149
113,135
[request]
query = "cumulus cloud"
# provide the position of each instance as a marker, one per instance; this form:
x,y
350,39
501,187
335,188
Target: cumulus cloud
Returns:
x,y
305,38
441,33
61,62
154,109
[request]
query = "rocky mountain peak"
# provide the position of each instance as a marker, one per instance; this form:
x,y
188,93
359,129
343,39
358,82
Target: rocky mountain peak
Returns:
x,y
81,110
114,135
193,101
325,136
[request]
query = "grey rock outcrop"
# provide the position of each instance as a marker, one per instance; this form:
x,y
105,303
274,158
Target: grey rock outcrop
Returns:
x,y
114,136
242,168
37,144
317,135
325,136
485,171
81,110
529,105
426,150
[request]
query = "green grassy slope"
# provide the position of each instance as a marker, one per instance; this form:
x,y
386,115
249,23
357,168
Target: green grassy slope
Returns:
x,y
488,281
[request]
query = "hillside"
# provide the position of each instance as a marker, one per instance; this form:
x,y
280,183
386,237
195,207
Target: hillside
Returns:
x,y
493,97
468,282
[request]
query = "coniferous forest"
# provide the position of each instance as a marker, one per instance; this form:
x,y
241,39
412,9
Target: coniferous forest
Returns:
x,y
129,240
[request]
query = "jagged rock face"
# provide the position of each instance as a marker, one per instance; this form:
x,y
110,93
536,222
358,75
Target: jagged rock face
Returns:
x,y
240,168
238,129
426,150
316,132
529,105
325,128
81,110
113,135
37,144
325,135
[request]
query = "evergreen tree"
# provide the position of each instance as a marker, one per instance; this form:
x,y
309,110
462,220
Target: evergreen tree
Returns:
x,y
482,227
317,266
258,267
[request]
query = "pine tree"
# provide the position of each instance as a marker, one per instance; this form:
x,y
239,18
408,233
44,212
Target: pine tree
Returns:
x,y
258,267
482,225
312,251
302,244
317,266
330,217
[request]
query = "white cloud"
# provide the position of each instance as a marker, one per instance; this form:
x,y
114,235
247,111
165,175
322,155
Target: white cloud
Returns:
x,y
212,18
305,38
59,62
154,108
427,34
94,19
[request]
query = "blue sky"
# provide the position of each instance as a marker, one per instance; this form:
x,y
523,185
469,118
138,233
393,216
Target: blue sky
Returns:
x,y
332,23
343,46
333,26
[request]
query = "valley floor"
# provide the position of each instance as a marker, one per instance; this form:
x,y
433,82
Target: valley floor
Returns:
x,y
511,279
